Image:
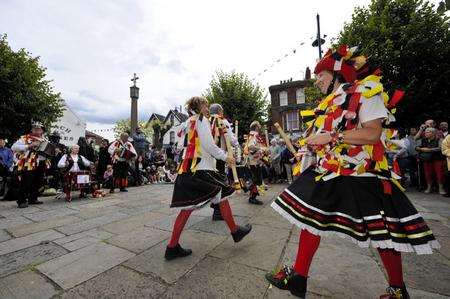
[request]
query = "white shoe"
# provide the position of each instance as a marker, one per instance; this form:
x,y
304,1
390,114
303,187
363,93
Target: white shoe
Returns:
x,y
427,191
442,191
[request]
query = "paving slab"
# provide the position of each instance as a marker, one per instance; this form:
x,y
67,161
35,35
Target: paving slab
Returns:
x,y
216,278
26,284
13,211
439,229
269,217
29,257
140,239
87,213
430,273
445,246
28,241
152,260
4,235
217,227
12,221
243,208
45,215
132,222
119,282
166,222
26,229
91,223
81,265
340,266
252,250
94,233
80,243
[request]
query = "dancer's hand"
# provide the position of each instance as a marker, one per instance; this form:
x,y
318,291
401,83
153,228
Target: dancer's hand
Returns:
x,y
230,160
319,139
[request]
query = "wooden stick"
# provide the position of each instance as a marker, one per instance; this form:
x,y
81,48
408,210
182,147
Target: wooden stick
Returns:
x,y
236,126
285,138
266,133
237,184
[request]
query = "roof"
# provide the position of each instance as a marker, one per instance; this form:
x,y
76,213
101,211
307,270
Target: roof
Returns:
x,y
290,84
158,116
179,115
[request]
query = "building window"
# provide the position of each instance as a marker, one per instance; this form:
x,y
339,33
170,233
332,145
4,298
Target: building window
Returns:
x,y
172,137
283,98
300,95
292,120
172,119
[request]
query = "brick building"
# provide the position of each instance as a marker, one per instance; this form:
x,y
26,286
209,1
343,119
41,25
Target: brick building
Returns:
x,y
286,100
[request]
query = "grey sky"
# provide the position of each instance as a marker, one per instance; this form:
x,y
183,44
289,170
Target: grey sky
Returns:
x,y
92,48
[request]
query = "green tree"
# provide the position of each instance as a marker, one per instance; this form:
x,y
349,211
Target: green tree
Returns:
x,y
240,98
124,125
410,41
313,95
25,93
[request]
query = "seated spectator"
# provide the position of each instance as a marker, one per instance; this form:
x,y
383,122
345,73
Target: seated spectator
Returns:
x,y
153,174
430,154
169,176
161,174
108,179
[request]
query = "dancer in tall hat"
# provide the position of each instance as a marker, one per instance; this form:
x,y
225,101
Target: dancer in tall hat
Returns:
x,y
198,182
220,128
255,148
121,151
350,191
31,165
73,163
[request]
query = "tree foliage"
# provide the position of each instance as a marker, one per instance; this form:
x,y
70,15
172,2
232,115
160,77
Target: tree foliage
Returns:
x,y
124,125
313,95
410,41
240,98
25,93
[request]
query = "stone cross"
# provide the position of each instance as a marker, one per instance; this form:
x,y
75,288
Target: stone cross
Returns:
x,y
134,79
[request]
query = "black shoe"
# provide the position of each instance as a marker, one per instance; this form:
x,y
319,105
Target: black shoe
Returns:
x,y
393,292
217,216
175,252
297,285
35,202
22,205
241,232
123,190
111,190
280,279
255,201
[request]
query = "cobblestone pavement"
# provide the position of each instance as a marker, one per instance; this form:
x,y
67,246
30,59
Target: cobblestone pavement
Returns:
x,y
113,247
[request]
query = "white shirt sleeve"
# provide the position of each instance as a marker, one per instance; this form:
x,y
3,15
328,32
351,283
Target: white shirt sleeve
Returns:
x,y
112,148
19,146
207,141
371,109
62,161
86,162
233,140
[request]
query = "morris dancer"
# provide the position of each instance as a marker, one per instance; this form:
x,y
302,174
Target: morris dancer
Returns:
x,y
255,150
350,191
30,165
216,112
117,151
73,163
198,181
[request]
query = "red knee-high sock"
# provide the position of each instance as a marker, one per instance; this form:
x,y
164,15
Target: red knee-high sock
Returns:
x,y
178,226
306,249
225,210
124,183
392,261
117,183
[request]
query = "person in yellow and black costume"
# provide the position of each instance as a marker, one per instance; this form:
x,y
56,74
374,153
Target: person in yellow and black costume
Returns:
x,y
198,182
349,190
30,165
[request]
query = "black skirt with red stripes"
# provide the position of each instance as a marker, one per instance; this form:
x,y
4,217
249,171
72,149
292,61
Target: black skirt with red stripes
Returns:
x,y
368,210
194,190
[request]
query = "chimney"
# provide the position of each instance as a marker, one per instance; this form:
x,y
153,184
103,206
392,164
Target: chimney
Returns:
x,y
307,74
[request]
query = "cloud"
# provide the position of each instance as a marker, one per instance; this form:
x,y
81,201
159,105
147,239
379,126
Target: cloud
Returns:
x,y
92,48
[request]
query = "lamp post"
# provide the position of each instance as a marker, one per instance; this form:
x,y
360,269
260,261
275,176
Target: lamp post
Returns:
x,y
134,95
319,41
